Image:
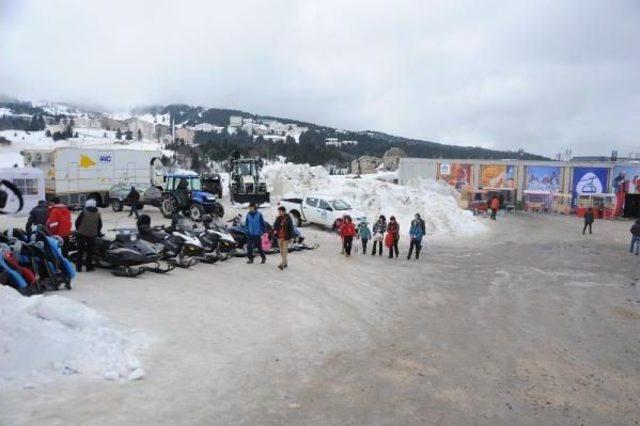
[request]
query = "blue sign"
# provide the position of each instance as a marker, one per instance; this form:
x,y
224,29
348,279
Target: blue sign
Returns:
x,y
590,180
105,158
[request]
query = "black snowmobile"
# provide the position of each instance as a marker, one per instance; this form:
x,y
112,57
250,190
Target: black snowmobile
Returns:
x,y
128,255
188,229
176,246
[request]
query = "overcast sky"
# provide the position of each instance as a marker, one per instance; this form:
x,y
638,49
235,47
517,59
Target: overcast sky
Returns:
x,y
542,75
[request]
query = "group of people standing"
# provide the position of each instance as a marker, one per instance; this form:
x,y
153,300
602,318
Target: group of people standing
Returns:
x,y
255,225
55,218
383,232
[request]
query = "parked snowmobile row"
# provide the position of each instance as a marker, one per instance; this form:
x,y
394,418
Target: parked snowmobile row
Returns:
x,y
33,262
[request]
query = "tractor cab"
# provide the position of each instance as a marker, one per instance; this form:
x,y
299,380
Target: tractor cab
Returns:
x,y
245,185
183,193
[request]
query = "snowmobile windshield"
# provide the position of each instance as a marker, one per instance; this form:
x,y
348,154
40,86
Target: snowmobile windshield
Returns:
x,y
340,205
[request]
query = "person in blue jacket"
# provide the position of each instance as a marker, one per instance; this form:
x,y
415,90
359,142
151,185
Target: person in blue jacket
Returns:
x,y
415,233
254,222
364,233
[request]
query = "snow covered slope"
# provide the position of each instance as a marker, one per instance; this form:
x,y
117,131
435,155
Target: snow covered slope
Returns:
x,y
376,194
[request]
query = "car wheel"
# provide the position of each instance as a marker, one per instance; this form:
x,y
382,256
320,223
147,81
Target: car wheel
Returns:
x,y
116,205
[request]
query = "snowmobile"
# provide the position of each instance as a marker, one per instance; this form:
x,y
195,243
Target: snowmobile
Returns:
x,y
176,246
127,254
187,228
42,254
225,242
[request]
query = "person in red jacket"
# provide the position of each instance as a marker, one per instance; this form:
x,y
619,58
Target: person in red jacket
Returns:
x,y
495,205
393,236
59,223
347,232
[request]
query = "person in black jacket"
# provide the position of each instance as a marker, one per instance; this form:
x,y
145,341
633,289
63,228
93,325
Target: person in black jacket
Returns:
x,y
588,220
134,199
283,227
37,216
635,237
88,227
421,223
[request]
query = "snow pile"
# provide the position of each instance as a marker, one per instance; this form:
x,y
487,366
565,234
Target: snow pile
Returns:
x,y
44,337
377,194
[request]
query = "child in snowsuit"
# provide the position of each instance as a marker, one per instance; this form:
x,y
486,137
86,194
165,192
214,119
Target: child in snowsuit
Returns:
x,y
379,228
364,233
415,233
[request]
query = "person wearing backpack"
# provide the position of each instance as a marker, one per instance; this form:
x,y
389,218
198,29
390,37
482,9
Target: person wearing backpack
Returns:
x,y
635,237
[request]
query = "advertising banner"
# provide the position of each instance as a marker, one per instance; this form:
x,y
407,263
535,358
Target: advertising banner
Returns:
x,y
626,180
498,176
456,174
589,180
543,178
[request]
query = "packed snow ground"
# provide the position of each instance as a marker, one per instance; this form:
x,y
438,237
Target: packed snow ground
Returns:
x,y
46,337
376,194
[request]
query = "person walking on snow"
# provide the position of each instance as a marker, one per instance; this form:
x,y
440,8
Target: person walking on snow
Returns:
x,y
134,199
254,222
37,216
88,227
347,232
364,233
635,237
59,223
283,227
393,236
415,233
588,220
495,205
379,228
421,223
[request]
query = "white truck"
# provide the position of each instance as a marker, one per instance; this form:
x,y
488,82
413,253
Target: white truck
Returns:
x,y
320,209
75,174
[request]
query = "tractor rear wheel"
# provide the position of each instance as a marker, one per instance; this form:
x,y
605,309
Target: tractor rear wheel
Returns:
x,y
168,207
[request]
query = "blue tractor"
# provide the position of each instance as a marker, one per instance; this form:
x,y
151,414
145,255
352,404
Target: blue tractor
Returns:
x,y
182,193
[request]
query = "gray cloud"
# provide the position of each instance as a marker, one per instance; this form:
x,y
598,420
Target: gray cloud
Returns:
x,y
543,75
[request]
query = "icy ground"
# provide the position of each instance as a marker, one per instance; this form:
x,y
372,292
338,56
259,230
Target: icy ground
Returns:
x,y
529,324
376,194
45,338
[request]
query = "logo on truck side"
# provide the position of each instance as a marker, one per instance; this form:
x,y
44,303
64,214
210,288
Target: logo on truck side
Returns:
x,y
105,158
86,161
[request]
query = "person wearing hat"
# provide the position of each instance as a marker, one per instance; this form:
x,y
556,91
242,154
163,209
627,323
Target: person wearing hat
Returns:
x,y
283,227
88,227
254,222
364,233
134,198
